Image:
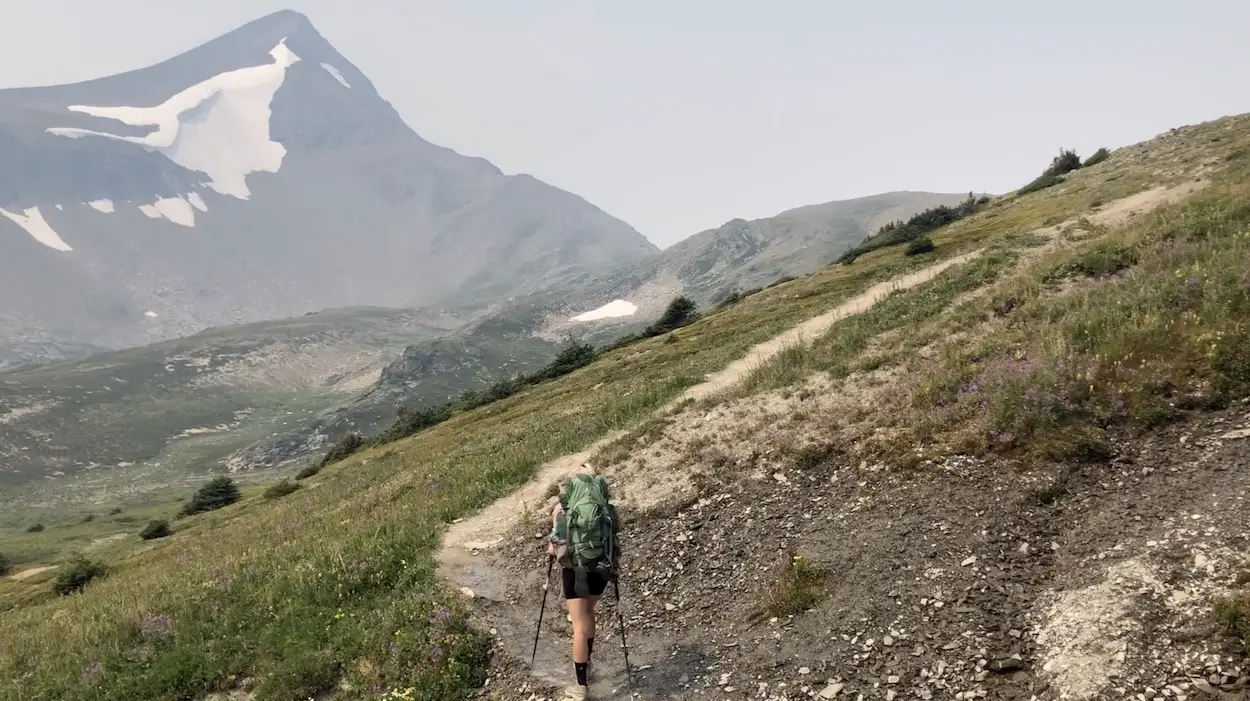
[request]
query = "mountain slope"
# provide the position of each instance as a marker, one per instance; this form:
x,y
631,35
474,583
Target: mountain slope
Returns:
x,y
520,334
151,416
737,256
880,453
257,176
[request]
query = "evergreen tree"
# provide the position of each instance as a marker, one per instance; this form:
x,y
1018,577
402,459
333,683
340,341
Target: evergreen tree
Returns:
x,y
218,492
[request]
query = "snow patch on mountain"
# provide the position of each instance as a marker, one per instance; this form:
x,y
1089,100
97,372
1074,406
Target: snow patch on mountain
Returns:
x,y
175,209
337,76
197,201
615,308
219,127
105,206
33,223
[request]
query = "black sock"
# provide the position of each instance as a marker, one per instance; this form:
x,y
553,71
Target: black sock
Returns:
x,y
590,647
580,668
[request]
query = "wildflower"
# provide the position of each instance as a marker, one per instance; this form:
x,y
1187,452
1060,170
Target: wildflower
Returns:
x,y
92,672
156,626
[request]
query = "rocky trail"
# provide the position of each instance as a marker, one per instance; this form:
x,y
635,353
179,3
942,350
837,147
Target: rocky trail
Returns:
x,y
468,553
963,578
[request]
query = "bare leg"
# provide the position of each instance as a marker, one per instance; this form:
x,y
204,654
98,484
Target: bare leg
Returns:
x,y
590,616
583,628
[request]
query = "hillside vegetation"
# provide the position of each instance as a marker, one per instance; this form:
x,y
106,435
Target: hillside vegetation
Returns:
x,y
204,395
1032,350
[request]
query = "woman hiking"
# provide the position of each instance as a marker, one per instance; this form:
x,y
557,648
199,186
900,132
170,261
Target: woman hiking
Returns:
x,y
583,539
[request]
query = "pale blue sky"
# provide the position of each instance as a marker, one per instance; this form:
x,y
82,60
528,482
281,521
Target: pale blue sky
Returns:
x,y
679,115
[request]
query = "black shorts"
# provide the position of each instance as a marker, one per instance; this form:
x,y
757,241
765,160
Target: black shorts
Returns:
x,y
595,581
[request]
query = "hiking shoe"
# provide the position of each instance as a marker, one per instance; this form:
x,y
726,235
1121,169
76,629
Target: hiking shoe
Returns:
x,y
577,692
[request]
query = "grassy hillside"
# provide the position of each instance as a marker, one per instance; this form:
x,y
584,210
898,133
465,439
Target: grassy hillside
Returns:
x,y
138,419
331,589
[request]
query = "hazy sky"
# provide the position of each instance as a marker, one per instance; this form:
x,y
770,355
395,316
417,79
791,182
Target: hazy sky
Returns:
x,y
679,115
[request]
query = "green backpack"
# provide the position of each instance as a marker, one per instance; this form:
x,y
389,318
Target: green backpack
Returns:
x,y
591,527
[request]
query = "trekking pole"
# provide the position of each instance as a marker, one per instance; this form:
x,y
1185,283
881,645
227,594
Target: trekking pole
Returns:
x,y
620,619
546,582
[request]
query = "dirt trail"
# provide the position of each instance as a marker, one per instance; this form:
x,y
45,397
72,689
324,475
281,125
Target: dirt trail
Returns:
x,y
481,555
469,545
485,530
814,328
27,574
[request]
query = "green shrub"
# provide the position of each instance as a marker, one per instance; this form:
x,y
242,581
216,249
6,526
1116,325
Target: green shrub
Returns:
x,y
35,528
1041,183
897,233
88,518
308,471
1066,162
809,456
346,446
115,511
155,529
1100,260
799,587
1233,614
1096,157
1049,494
409,421
574,356
218,492
75,575
281,489
680,312
920,246
6,565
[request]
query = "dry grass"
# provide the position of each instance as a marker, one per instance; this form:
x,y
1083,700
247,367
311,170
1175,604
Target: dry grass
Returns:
x,y
1233,615
799,586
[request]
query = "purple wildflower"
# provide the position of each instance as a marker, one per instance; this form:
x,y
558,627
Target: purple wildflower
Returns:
x,y
442,614
92,672
156,625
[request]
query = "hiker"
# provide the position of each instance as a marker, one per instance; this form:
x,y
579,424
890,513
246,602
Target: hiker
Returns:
x,y
583,540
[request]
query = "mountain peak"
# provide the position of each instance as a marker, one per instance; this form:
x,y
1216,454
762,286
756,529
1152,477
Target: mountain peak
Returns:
x,y
225,183
288,17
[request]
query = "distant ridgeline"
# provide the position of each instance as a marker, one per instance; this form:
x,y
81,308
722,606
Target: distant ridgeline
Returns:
x,y
680,312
